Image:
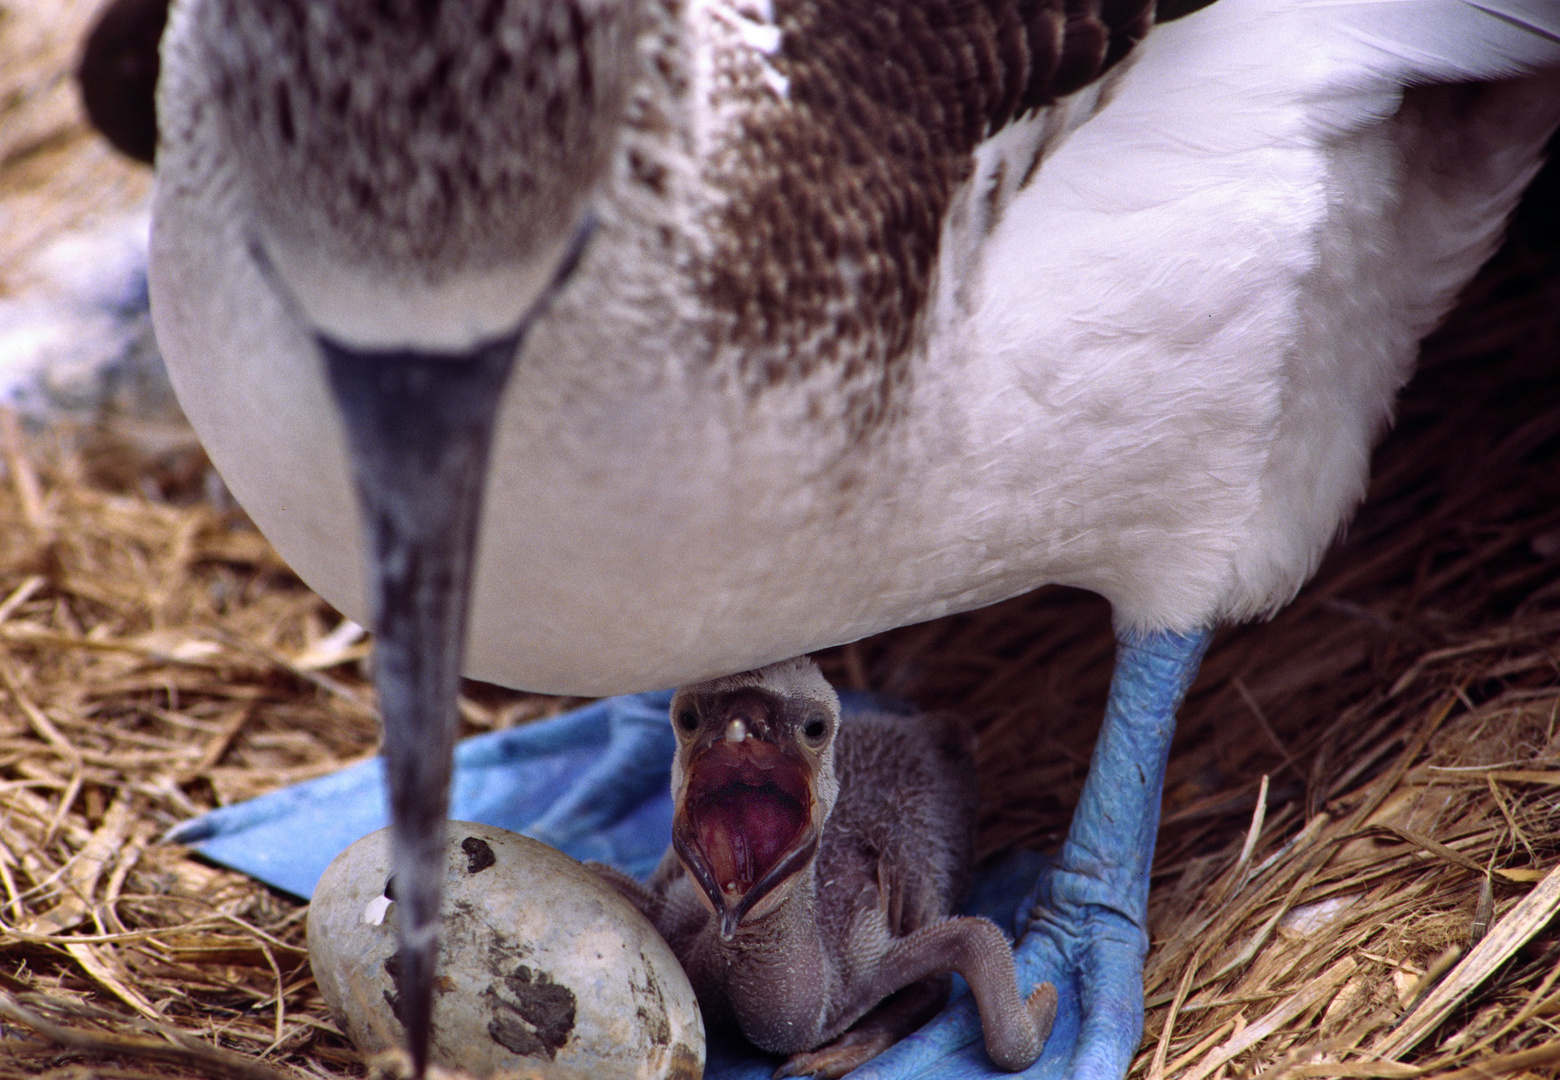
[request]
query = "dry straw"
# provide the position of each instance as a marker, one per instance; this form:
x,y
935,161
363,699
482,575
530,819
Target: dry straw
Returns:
x,y
1356,874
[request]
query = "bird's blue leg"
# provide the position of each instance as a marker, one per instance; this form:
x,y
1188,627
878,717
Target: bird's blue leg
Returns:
x,y
1088,930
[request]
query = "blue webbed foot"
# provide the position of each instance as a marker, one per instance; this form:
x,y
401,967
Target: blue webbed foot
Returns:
x,y
1084,926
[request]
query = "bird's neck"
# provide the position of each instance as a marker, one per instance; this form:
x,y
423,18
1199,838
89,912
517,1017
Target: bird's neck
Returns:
x,y
776,969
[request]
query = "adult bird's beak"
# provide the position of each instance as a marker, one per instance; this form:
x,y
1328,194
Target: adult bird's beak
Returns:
x,y
748,820
419,426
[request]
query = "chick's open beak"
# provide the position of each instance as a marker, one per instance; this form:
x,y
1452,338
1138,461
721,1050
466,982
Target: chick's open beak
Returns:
x,y
747,821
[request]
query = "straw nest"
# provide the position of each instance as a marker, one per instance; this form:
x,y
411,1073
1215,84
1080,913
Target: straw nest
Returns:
x,y
1355,866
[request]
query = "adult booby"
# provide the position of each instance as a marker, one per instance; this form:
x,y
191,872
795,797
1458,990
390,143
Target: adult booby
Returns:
x,y
768,324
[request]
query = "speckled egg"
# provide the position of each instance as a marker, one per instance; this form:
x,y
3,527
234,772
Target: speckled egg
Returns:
x,y
543,967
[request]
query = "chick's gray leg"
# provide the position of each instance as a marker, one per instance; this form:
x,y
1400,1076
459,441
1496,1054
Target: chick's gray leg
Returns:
x,y
874,1033
1013,1027
1089,933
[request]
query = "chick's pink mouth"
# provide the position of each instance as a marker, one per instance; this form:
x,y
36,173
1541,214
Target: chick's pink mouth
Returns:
x,y
748,804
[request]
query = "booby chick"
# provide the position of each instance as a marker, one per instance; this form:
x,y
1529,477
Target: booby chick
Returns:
x,y
815,864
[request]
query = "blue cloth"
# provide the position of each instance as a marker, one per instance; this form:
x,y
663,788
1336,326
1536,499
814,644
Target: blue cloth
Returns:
x,y
527,779
594,783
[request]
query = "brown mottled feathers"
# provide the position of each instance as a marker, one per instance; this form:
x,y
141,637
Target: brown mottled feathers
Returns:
x,y
831,234
440,136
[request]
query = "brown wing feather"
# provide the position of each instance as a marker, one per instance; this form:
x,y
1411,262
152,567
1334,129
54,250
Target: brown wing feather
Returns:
x,y
838,194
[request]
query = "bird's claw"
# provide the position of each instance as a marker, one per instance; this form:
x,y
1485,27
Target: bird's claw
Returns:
x,y
1042,1002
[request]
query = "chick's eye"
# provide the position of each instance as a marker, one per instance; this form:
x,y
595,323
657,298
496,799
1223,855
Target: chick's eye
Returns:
x,y
814,729
688,721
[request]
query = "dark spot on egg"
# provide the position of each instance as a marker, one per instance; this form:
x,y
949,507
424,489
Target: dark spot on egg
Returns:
x,y
655,1023
478,855
654,1017
686,1064
532,1015
393,997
